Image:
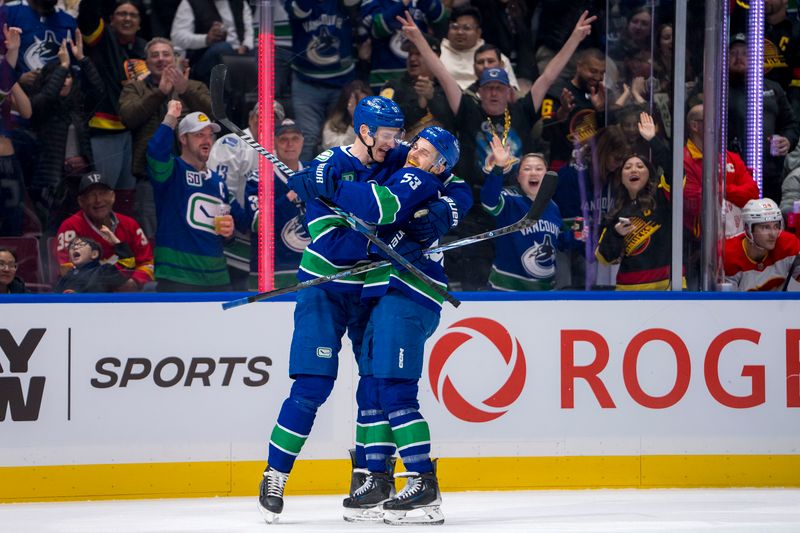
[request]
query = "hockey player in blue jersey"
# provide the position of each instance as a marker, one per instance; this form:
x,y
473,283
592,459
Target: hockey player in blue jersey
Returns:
x,y
524,260
324,313
405,315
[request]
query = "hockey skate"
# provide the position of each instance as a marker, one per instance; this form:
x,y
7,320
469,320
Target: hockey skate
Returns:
x,y
417,503
366,497
366,502
270,494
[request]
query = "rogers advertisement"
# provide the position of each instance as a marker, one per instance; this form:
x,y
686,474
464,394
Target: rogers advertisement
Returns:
x,y
133,382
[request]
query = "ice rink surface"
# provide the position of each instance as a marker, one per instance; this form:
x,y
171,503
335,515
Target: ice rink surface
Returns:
x,y
628,510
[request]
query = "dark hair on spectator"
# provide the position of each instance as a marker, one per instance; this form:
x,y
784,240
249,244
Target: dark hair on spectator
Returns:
x,y
135,3
486,47
466,11
610,141
339,118
646,198
589,53
44,75
93,244
9,250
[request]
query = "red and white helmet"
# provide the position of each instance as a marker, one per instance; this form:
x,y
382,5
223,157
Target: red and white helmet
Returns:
x,y
758,211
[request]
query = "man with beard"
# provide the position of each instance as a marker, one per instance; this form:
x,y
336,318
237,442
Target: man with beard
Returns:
x,y
476,122
578,113
98,221
190,203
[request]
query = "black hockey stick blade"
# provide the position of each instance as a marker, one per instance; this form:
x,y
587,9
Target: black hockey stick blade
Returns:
x,y
792,270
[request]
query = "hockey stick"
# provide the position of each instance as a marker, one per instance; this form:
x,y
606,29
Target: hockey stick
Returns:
x,y
546,192
792,268
217,90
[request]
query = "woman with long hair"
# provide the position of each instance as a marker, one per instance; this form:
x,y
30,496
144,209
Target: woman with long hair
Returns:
x,y
338,128
636,234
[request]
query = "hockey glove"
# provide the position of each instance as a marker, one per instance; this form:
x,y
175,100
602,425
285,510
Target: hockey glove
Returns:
x,y
405,246
433,222
311,183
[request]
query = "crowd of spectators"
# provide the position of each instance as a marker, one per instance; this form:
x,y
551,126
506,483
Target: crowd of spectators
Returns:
x,y
86,86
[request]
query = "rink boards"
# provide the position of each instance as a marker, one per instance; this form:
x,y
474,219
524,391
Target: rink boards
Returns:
x,y
109,399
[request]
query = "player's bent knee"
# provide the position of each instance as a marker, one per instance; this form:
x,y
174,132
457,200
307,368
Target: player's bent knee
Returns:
x,y
310,391
398,394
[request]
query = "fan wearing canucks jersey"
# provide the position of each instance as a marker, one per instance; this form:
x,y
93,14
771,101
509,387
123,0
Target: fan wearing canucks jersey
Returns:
x,y
523,260
380,18
324,313
189,200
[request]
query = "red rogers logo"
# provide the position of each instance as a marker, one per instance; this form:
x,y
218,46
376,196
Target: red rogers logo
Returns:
x,y
509,349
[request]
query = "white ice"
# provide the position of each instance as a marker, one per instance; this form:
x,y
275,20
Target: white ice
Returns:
x,y
655,510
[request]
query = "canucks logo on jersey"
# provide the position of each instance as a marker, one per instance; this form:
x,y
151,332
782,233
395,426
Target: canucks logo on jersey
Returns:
x,y
540,259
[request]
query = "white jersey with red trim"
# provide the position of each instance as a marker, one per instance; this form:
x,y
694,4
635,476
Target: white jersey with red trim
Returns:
x,y
767,274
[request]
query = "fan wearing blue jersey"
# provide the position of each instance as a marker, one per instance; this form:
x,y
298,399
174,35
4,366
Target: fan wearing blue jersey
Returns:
x,y
324,313
523,260
189,200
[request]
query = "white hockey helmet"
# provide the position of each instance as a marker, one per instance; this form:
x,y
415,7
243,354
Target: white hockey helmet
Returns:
x,y
758,211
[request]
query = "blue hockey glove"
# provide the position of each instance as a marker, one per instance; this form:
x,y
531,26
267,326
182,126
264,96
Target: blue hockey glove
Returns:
x,y
311,183
405,246
432,225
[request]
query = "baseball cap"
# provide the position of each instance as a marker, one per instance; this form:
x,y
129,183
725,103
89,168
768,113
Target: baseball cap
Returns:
x,y
494,74
287,125
195,122
91,179
433,42
738,38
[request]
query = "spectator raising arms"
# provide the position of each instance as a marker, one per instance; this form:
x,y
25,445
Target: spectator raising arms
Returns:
x,y
190,201
524,260
63,100
12,97
118,52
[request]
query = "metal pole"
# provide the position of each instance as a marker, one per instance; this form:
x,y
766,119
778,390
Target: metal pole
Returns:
x,y
755,91
712,76
678,119
266,127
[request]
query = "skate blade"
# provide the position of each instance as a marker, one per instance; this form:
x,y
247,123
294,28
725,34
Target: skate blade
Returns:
x,y
372,514
269,516
424,516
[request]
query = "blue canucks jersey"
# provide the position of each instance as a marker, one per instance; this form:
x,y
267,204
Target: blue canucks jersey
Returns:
x,y
188,249
291,236
524,260
335,246
322,40
41,36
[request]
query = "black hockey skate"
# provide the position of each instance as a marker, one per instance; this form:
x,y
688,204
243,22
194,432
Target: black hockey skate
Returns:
x,y
270,494
358,475
417,503
367,493
365,503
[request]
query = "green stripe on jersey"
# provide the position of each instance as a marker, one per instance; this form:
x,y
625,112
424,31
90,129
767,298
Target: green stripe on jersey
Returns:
x,y
287,441
379,27
316,265
381,276
189,268
378,433
494,211
160,170
323,224
411,434
506,281
388,204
